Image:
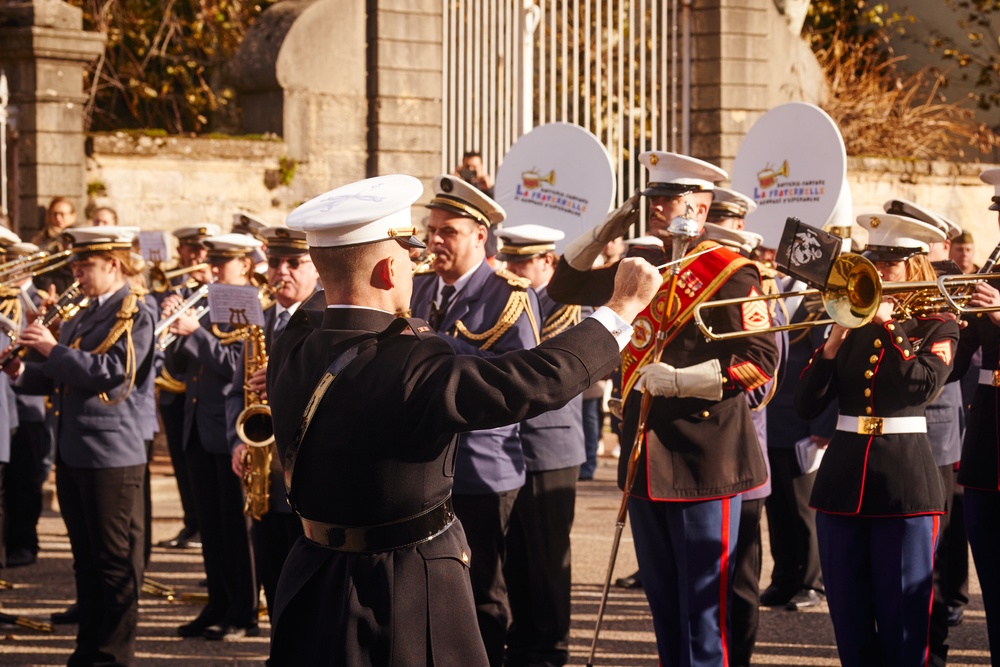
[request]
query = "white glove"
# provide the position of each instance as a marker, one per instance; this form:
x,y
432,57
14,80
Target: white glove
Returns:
x,y
582,251
703,380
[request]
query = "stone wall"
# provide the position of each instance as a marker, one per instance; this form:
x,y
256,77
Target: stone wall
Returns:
x,y
170,182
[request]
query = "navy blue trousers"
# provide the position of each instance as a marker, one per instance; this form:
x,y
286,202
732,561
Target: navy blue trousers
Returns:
x,y
686,556
879,585
982,523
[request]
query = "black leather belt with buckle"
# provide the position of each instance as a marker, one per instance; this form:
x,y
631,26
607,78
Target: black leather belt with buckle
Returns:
x,y
383,537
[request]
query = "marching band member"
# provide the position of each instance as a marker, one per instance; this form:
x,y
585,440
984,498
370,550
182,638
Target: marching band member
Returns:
x,y
979,471
381,577
537,570
487,313
700,452
212,358
289,266
190,252
101,355
878,493
31,444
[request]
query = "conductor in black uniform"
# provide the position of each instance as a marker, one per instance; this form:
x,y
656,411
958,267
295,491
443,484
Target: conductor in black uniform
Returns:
x,y
381,576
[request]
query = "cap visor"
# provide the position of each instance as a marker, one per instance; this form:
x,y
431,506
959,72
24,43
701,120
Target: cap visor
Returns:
x,y
890,254
668,190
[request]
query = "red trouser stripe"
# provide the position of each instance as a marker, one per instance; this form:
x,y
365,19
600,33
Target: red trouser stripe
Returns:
x,y
934,537
724,583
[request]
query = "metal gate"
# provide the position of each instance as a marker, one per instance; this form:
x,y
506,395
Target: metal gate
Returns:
x,y
610,66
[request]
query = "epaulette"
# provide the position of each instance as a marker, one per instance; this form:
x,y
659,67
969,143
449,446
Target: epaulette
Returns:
x,y
418,327
512,279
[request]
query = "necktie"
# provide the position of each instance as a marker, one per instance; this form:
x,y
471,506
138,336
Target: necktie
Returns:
x,y
438,310
280,325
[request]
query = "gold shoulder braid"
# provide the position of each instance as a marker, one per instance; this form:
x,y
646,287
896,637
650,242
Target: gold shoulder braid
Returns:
x,y
11,307
123,325
565,317
517,303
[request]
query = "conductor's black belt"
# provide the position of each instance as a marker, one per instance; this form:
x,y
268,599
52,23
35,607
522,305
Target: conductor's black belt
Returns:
x,y
992,378
881,425
385,536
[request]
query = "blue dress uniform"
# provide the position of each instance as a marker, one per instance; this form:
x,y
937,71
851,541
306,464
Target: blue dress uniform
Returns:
x,y
275,532
8,422
100,460
489,465
979,470
212,359
699,456
879,496
791,521
537,571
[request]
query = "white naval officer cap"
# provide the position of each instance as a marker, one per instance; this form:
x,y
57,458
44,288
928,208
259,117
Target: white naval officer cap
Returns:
x,y
375,209
245,223
230,246
284,242
672,174
892,237
21,249
913,210
7,237
85,240
992,177
456,196
644,242
522,242
740,239
194,234
728,203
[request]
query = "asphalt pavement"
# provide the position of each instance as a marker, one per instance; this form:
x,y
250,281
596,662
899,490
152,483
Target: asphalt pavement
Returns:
x,y
626,640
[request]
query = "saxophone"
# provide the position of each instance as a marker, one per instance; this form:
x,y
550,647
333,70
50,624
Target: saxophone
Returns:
x,y
255,429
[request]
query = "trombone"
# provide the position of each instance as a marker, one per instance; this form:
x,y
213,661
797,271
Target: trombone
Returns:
x,y
853,294
19,270
161,281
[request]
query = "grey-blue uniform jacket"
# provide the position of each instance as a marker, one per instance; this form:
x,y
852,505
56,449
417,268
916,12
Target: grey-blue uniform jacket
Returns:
x,y
208,375
90,433
554,440
488,461
8,409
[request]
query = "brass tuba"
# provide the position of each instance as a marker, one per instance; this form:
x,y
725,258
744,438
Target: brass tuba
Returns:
x,y
255,429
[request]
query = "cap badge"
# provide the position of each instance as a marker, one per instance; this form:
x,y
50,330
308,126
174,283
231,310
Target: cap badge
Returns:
x,y
202,231
447,185
281,233
874,222
653,159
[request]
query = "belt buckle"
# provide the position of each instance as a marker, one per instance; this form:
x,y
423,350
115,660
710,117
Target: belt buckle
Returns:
x,y
870,425
995,379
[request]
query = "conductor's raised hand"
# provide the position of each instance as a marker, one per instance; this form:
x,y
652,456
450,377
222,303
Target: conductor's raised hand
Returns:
x,y
636,283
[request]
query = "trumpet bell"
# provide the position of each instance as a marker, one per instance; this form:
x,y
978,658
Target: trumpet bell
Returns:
x,y
254,425
853,291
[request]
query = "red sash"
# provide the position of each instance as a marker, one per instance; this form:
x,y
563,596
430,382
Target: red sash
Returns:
x,y
700,278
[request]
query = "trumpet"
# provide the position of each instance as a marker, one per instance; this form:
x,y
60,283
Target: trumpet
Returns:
x,y
19,270
161,281
163,338
853,294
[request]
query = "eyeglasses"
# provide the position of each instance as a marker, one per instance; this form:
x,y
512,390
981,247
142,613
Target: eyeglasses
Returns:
x,y
293,262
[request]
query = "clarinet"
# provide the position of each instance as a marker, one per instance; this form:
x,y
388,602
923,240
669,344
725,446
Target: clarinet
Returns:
x,y
65,307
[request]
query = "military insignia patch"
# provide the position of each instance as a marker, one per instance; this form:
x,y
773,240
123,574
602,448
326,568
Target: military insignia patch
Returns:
x,y
942,349
642,333
755,314
689,283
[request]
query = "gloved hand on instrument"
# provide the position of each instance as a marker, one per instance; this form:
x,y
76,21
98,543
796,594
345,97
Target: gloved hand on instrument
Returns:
x,y
702,380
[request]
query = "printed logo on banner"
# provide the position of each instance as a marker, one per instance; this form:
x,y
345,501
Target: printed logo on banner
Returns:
x,y
806,248
540,191
768,176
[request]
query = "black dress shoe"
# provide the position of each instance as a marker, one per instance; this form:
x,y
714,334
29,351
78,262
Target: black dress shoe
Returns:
x,y
70,615
804,599
21,557
955,616
186,539
775,597
633,580
196,628
225,632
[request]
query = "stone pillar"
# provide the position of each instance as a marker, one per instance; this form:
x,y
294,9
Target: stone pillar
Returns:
x,y
44,50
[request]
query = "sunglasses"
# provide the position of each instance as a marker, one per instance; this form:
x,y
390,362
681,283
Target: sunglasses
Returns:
x,y
293,262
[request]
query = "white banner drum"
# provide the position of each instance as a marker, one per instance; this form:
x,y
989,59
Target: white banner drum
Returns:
x,y
793,163
558,175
